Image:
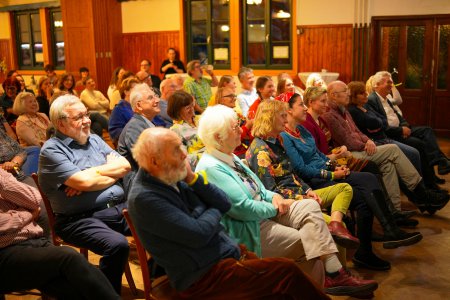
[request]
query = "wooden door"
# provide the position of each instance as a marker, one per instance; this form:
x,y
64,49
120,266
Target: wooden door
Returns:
x,y
416,51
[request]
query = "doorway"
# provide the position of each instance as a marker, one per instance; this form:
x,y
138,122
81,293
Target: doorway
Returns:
x,y
416,50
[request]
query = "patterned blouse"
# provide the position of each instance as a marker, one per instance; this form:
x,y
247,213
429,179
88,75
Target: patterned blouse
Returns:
x,y
32,131
9,148
190,139
268,159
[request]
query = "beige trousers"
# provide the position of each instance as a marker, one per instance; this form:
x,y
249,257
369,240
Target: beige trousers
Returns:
x,y
302,235
393,164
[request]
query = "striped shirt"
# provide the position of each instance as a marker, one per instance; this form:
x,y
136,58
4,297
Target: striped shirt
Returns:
x,y
17,202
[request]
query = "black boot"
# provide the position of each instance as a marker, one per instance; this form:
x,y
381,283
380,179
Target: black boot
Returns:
x,y
428,200
369,260
393,237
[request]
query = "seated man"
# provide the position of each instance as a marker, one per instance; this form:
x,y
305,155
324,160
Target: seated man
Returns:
x,y
397,128
30,261
248,94
145,104
177,216
392,162
79,173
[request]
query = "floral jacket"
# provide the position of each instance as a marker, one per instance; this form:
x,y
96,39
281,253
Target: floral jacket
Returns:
x,y
190,139
268,159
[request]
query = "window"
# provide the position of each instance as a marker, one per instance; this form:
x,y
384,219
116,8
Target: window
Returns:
x,y
209,32
40,38
29,40
267,40
56,25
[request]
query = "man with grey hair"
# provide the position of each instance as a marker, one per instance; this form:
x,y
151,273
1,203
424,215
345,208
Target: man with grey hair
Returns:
x,y
198,86
396,127
168,87
177,216
81,175
145,104
392,162
248,94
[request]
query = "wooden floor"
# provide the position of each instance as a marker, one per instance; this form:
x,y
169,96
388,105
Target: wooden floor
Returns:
x,y
418,272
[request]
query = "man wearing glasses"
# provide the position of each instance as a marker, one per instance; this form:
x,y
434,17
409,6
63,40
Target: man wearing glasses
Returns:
x,y
80,174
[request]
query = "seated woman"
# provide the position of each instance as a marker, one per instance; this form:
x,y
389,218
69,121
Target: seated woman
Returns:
x,y
227,97
180,108
227,81
312,165
122,112
66,83
45,92
11,86
266,90
23,87
93,99
14,158
285,89
31,125
114,85
285,75
372,125
314,79
265,221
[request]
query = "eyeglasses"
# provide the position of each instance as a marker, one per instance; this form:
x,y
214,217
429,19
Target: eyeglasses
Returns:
x,y
79,117
236,127
232,96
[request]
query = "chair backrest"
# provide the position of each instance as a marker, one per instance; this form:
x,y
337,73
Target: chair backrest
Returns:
x,y
142,256
48,207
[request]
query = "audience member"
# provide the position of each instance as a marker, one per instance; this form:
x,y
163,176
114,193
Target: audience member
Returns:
x,y
122,112
198,86
80,175
266,90
227,81
248,93
285,75
23,87
30,261
267,222
177,215
93,99
399,129
315,79
79,85
171,65
285,90
145,104
45,92
31,125
145,66
181,109
392,162
11,87
113,86
66,83
168,87
51,74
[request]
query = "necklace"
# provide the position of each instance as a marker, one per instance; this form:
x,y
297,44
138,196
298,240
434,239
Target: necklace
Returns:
x,y
295,133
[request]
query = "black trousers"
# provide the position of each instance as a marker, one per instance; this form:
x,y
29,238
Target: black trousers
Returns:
x,y
57,271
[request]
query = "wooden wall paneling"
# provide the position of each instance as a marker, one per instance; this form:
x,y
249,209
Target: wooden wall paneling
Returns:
x,y
326,47
12,43
101,46
149,45
47,50
5,54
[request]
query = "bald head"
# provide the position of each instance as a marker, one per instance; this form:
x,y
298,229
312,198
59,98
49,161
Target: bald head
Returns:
x,y
338,93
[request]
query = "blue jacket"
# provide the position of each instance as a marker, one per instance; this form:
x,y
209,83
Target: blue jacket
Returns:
x,y
120,116
181,229
242,220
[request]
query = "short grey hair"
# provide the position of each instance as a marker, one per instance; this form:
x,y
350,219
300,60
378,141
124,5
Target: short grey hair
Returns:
x,y
244,71
150,144
165,82
379,77
215,120
137,93
59,105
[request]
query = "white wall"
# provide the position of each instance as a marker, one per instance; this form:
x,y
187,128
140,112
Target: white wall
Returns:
x,y
150,15
325,12
409,7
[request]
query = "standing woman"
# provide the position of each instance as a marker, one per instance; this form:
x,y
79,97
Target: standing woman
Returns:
x,y
45,92
32,125
172,65
265,89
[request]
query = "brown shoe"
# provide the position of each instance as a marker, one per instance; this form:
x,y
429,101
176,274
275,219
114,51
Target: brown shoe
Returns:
x,y
341,235
343,283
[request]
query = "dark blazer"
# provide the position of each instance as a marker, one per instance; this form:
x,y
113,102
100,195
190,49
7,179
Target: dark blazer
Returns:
x,y
374,104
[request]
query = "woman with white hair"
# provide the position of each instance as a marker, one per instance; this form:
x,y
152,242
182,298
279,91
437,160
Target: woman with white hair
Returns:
x,y
265,221
31,125
314,79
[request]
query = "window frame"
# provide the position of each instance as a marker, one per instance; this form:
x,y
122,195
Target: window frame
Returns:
x,y
17,28
52,31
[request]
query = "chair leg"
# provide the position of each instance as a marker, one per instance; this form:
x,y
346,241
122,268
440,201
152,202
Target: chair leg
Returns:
x,y
130,280
84,252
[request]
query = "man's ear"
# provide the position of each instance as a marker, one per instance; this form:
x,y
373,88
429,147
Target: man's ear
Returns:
x,y
218,138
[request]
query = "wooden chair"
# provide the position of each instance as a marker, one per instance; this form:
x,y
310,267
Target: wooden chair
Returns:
x,y
158,289
58,241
